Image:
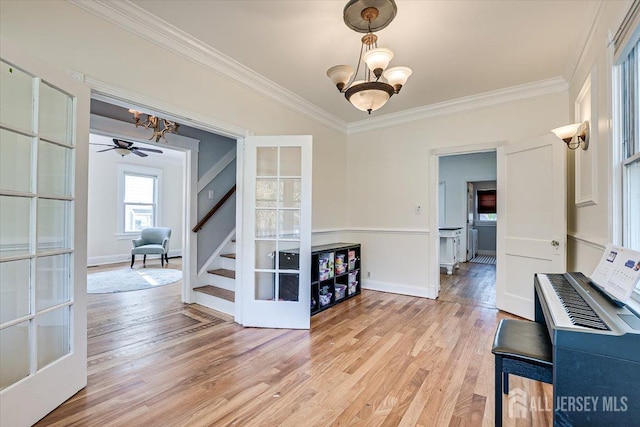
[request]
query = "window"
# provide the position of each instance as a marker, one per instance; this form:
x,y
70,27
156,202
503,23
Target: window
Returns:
x,y
630,140
627,130
138,196
486,205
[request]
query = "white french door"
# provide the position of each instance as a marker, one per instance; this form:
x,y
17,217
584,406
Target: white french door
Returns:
x,y
43,200
276,217
532,220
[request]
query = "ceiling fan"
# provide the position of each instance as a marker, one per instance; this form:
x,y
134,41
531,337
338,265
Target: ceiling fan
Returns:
x,y
125,147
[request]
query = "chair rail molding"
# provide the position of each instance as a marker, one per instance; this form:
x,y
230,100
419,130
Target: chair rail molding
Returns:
x,y
592,241
408,231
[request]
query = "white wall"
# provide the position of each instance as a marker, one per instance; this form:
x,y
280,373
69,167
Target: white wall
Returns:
x,y
591,224
388,175
103,244
70,38
371,191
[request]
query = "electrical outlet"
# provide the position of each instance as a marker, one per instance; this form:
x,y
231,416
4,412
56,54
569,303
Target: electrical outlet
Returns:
x,y
418,210
368,275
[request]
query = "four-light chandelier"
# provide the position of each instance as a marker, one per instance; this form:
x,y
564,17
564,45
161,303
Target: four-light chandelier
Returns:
x,y
377,83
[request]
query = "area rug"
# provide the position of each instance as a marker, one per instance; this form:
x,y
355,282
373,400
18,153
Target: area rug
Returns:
x,y
127,280
484,259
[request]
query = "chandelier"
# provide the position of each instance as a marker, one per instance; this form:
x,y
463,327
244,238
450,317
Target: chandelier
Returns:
x,y
378,83
153,123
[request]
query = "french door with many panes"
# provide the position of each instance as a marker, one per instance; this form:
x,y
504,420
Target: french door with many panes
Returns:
x,y
276,217
43,158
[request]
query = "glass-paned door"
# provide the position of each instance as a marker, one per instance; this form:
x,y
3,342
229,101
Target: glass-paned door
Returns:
x,y
276,219
42,308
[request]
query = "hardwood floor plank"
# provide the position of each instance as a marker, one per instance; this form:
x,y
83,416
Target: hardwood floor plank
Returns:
x,y
375,360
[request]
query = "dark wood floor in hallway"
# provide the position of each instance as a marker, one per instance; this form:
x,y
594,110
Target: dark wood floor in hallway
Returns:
x,y
377,359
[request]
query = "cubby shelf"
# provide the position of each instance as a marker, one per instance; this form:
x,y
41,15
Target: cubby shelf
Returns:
x,y
335,273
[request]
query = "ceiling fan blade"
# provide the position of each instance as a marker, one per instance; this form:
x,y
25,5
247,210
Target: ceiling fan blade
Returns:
x,y
106,145
138,153
106,149
122,144
152,150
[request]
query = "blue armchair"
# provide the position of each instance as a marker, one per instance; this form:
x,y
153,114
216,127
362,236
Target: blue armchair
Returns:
x,y
154,241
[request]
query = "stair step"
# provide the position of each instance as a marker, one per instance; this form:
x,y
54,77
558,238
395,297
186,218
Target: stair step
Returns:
x,y
223,272
217,292
232,256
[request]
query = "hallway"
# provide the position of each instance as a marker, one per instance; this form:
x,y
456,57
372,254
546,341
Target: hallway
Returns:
x,y
473,284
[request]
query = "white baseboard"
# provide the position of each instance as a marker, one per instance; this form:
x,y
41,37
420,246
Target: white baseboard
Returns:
x,y
114,259
397,288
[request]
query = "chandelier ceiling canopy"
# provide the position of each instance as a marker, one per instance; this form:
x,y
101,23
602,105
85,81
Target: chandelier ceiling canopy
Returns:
x,y
377,83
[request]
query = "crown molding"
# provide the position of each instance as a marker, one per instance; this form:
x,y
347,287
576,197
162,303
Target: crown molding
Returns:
x,y
467,103
136,20
594,12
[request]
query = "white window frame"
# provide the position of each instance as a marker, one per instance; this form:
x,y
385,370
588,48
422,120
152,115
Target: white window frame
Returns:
x,y
623,156
125,169
478,219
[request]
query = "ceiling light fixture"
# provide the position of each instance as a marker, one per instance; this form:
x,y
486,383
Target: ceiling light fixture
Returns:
x,y
574,135
153,123
378,82
122,151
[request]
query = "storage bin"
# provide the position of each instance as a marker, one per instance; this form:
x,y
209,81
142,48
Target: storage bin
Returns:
x,y
325,299
340,291
352,260
353,288
324,274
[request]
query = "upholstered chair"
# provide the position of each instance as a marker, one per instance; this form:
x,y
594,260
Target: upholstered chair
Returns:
x,y
152,241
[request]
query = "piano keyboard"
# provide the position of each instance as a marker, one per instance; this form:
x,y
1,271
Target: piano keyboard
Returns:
x,y
574,310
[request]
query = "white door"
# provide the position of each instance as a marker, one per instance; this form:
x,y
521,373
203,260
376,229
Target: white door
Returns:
x,y
470,212
531,227
276,212
43,202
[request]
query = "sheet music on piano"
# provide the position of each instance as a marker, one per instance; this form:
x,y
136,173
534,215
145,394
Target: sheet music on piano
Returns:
x,y
618,272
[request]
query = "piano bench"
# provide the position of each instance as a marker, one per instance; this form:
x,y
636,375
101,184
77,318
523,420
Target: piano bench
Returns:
x,y
523,348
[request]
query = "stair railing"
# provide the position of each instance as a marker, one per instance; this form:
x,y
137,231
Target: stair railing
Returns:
x,y
214,209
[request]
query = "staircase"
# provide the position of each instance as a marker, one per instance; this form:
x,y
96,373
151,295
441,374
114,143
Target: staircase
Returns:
x,y
219,292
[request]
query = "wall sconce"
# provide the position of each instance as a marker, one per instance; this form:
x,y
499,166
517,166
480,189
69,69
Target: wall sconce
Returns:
x,y
575,135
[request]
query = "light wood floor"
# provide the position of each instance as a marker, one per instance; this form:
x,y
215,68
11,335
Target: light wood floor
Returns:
x,y
377,359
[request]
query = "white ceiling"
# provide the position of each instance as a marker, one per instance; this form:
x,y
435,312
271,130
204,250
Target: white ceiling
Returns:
x,y
455,48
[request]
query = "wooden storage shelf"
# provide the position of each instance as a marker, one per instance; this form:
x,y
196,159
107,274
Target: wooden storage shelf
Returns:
x,y
335,273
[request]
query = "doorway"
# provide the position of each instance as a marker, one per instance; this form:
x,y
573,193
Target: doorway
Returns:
x,y
461,174
193,141
482,220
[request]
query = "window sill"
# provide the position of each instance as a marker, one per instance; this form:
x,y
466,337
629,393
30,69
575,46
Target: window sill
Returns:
x,y
127,236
